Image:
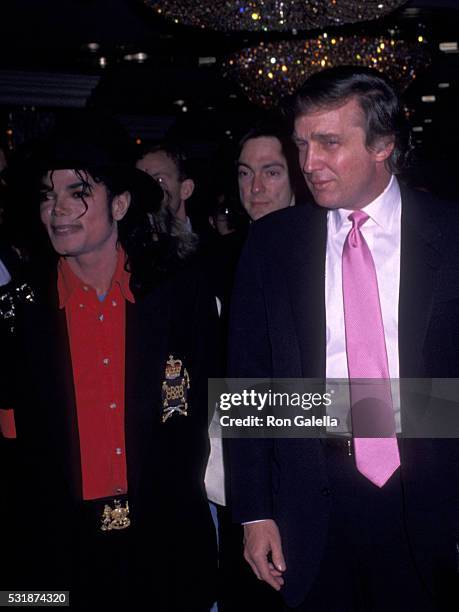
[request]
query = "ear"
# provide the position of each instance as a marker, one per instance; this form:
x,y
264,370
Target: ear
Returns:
x,y
120,205
382,148
186,189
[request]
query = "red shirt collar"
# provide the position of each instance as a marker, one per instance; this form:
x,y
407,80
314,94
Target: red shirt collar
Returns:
x,y
68,282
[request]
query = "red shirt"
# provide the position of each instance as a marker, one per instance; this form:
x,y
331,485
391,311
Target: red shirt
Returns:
x,y
7,424
96,332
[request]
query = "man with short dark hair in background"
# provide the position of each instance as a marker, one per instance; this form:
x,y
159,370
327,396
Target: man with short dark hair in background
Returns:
x,y
269,176
362,286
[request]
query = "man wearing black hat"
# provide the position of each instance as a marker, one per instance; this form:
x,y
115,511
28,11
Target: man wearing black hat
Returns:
x,y
109,372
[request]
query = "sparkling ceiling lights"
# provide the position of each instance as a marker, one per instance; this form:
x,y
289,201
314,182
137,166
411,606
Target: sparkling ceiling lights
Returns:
x,y
271,15
270,71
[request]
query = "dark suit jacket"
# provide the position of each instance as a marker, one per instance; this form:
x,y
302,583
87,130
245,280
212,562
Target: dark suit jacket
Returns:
x,y
278,330
173,538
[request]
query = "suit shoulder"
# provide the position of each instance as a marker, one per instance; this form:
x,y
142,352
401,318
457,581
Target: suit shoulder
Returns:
x,y
282,222
430,205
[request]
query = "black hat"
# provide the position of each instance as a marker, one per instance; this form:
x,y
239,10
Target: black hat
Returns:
x,y
86,140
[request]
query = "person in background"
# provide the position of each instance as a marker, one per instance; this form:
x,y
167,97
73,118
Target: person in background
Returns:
x,y
167,163
269,176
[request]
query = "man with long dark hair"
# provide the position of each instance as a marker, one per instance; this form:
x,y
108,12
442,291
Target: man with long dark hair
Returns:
x,y
108,379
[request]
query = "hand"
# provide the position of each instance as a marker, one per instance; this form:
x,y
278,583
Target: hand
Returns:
x,y
260,539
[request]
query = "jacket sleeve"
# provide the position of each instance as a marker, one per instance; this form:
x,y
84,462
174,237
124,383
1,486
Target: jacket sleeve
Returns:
x,y
250,460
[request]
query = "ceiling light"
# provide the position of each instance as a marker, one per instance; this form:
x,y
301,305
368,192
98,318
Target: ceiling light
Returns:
x,y
428,98
102,61
428,120
418,128
269,16
443,85
136,57
265,82
206,61
448,47
93,46
179,102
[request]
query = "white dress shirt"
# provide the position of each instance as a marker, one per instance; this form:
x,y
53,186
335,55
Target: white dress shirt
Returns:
x,y
382,233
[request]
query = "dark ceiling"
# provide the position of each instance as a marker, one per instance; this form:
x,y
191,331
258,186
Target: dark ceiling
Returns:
x,y
45,64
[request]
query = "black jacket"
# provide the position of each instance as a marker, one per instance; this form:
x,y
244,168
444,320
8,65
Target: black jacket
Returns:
x,y
173,545
278,330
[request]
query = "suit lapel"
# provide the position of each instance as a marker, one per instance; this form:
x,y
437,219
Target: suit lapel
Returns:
x,y
46,330
306,283
419,262
145,359
131,384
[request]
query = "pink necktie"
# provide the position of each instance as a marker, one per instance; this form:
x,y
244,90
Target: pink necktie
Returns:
x,y
377,457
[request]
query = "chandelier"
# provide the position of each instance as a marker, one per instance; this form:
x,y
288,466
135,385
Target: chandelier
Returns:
x,y
271,15
270,71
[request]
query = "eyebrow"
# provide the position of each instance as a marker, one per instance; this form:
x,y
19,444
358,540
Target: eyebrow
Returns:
x,y
273,164
160,173
78,184
320,136
71,186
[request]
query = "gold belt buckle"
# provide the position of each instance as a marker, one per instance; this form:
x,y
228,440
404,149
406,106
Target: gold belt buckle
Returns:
x,y
115,518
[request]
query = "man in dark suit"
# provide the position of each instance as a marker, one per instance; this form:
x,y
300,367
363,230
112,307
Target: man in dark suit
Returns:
x,y
336,524
108,382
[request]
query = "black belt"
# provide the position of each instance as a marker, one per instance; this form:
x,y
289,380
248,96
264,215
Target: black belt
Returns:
x,y
340,443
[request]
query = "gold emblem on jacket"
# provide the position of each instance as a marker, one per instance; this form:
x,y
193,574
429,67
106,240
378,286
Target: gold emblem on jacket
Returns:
x,y
115,518
174,390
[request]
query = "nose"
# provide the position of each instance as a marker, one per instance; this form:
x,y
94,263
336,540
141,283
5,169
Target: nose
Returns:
x,y
61,206
257,183
310,159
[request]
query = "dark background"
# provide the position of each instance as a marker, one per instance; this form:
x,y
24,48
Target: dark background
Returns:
x,y
46,66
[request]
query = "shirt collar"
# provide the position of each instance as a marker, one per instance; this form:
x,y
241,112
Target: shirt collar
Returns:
x,y
68,282
382,211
